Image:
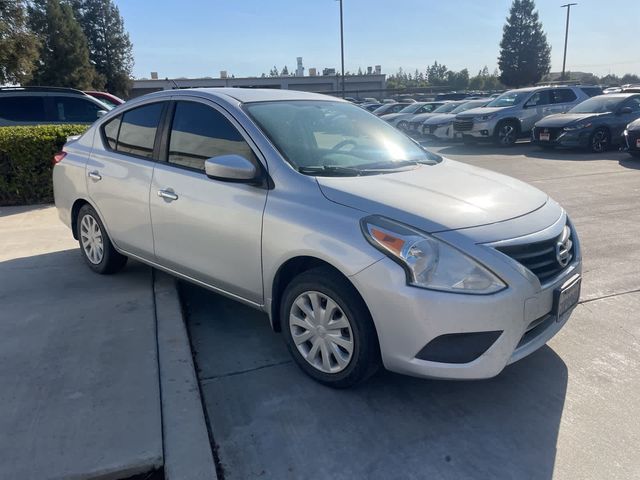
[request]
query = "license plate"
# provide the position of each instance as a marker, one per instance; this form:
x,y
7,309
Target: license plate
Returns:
x,y
638,143
566,297
545,137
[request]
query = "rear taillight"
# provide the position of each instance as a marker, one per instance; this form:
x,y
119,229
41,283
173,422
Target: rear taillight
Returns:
x,y
57,158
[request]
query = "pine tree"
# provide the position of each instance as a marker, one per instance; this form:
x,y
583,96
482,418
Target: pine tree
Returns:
x,y
18,45
64,55
525,55
110,49
285,72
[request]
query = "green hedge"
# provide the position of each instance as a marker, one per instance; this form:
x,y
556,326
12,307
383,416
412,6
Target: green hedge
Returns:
x,y
26,155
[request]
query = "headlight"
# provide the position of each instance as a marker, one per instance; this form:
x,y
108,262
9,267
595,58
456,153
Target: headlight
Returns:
x,y
579,126
428,262
626,133
484,118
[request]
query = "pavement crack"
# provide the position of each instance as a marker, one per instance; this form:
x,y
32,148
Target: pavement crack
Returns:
x,y
637,290
241,372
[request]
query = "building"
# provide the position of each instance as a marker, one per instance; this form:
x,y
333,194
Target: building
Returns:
x,y
357,86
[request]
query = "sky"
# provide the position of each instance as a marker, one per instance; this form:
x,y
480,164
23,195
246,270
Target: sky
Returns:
x,y
198,38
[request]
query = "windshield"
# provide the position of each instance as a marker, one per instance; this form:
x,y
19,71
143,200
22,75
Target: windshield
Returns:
x,y
446,108
509,99
600,104
335,138
411,108
468,106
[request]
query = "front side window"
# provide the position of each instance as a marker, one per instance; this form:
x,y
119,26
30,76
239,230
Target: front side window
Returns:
x,y
22,108
509,99
138,130
564,95
75,109
199,132
543,97
335,138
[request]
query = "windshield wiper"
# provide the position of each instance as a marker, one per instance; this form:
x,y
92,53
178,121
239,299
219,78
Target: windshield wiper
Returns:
x,y
330,170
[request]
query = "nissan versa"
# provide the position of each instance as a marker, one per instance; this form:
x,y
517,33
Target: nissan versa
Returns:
x,y
362,247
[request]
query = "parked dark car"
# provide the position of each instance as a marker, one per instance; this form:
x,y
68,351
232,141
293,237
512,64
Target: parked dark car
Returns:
x,y
451,96
387,108
370,107
596,123
632,138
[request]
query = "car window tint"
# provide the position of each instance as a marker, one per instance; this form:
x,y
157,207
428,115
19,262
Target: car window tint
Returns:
x,y
199,132
542,97
138,130
111,129
22,108
591,91
75,109
634,103
564,95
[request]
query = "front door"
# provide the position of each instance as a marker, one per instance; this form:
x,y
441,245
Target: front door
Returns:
x,y
207,229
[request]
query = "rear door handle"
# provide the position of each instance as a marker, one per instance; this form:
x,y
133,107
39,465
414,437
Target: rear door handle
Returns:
x,y
95,176
167,195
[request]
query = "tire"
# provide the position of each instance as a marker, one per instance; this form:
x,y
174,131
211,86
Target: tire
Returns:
x,y
95,245
506,133
635,155
342,365
600,140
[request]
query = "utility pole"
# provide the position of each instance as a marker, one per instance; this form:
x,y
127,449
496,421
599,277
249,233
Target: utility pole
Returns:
x,y
566,36
342,46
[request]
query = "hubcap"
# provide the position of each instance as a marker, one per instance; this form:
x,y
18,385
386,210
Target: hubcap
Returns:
x,y
507,134
321,332
599,141
91,239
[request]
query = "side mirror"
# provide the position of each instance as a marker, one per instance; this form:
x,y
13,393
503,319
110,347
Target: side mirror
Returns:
x,y
101,113
230,168
626,110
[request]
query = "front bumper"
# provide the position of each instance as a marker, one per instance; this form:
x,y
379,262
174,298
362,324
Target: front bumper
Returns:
x,y
407,318
632,141
440,132
561,138
477,130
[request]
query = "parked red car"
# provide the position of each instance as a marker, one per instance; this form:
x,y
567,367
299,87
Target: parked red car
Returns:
x,y
109,99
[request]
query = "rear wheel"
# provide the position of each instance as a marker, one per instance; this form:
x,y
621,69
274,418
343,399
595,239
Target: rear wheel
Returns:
x,y
328,329
95,245
600,140
506,133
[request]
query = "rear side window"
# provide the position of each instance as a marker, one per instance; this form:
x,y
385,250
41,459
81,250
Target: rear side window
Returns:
x,y
564,95
591,91
22,108
199,132
75,109
138,130
111,129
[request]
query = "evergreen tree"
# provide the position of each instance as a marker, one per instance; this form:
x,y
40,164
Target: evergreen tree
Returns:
x,y
437,74
525,55
285,72
110,49
64,55
273,72
18,45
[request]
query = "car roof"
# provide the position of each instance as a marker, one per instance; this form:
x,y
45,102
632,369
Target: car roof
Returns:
x,y
618,95
248,95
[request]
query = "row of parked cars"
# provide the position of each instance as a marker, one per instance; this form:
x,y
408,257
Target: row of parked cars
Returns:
x,y
552,116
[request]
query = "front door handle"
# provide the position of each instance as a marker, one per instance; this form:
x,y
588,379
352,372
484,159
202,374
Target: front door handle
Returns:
x,y
95,176
167,195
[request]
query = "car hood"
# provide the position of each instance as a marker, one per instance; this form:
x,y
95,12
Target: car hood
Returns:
x,y
441,118
424,116
446,196
476,112
563,119
393,116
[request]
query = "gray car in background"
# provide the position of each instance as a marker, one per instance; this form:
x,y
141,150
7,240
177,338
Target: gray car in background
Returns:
x,y
363,248
402,118
513,114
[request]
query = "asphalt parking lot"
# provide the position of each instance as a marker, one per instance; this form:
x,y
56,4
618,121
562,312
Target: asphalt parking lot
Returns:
x,y
569,411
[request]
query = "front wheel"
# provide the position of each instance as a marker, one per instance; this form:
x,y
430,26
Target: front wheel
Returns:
x,y
403,125
328,329
600,140
95,245
506,133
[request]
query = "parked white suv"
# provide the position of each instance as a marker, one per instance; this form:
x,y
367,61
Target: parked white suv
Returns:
x,y
361,246
513,114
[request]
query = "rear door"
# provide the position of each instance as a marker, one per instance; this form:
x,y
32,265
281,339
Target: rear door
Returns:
x,y
207,229
23,110
119,173
538,106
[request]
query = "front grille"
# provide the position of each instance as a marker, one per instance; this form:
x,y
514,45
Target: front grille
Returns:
x,y
543,258
632,140
465,125
554,133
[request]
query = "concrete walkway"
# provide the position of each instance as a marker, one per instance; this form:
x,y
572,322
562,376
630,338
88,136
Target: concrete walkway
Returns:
x,y
79,387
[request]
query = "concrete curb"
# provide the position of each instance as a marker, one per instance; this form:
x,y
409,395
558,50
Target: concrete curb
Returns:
x,y
187,451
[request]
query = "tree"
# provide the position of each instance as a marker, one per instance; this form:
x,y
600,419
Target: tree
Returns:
x,y
285,72
525,55
437,74
18,45
64,55
110,49
273,72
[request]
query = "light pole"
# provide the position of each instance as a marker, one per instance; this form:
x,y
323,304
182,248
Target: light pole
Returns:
x,y
566,36
342,46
